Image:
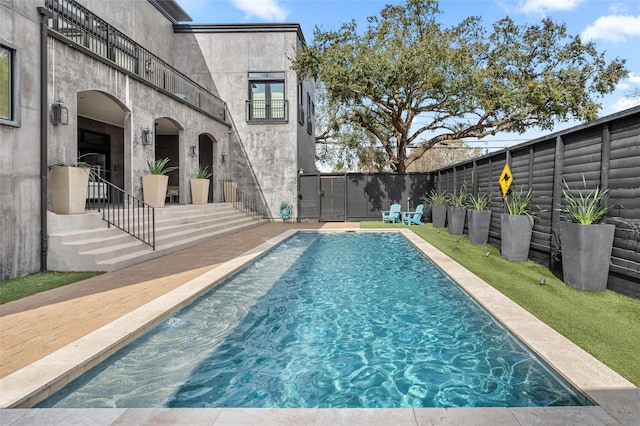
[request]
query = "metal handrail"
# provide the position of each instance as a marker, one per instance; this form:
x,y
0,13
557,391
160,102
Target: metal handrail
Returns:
x,y
122,210
246,204
81,26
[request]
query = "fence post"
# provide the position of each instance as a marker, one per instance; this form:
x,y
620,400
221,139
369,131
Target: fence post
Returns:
x,y
556,203
605,157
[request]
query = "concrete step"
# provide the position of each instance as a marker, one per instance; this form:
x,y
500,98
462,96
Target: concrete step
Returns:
x,y
87,243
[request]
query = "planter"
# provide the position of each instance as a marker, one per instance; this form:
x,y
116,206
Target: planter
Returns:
x,y
479,221
68,189
516,237
586,253
456,220
154,189
199,191
439,215
229,191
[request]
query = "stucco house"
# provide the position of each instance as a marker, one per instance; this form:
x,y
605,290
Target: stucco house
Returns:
x,y
128,81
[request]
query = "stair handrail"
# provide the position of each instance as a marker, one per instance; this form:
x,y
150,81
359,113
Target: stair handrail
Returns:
x,y
246,203
122,210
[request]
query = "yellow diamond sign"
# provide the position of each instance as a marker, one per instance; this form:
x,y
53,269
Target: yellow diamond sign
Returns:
x,y
505,179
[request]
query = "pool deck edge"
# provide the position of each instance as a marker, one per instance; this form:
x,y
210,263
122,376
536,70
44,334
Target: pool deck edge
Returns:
x,y
618,401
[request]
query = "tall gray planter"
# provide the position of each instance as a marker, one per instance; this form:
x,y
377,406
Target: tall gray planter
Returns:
x,y
516,236
586,254
456,220
479,221
439,215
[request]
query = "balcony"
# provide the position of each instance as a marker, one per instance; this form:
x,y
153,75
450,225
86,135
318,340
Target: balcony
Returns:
x,y
74,23
261,111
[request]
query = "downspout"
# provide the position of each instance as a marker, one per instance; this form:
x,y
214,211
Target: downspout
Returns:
x,y
44,115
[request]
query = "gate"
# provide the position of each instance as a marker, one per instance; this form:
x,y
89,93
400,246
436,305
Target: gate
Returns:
x,y
332,199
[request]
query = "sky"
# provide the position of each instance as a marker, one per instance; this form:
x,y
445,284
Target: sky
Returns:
x,y
614,26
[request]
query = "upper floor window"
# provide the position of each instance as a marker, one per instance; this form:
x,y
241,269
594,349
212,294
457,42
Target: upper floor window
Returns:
x,y
8,97
267,97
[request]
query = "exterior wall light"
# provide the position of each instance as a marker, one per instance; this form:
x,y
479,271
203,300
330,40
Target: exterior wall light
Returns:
x,y
224,157
193,151
146,136
59,113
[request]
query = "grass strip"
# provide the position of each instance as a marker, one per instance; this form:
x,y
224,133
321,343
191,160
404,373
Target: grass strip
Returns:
x,y
18,288
605,324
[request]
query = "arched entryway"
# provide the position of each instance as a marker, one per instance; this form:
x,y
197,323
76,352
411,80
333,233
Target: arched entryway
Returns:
x,y
207,152
167,145
101,124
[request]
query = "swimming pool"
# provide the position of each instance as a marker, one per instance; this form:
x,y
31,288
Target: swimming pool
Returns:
x,y
339,320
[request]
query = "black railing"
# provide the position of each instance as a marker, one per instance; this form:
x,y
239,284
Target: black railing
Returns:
x,y
122,210
81,26
274,111
246,204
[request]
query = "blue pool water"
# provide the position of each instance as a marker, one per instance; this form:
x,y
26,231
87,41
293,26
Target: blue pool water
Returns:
x,y
326,320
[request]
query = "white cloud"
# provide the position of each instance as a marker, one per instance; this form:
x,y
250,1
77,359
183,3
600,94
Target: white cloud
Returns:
x,y
615,28
618,8
543,6
634,78
269,10
622,86
625,103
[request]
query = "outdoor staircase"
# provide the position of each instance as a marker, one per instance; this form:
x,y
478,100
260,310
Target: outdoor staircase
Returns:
x,y
84,242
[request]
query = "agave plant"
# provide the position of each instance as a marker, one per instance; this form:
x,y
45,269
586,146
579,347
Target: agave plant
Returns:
x,y
588,209
202,173
159,167
437,198
518,201
459,199
480,201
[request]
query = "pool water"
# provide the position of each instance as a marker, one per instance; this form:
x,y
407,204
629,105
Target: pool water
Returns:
x,y
326,320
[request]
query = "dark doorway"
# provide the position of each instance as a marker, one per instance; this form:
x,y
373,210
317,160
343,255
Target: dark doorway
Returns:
x,y
95,149
205,150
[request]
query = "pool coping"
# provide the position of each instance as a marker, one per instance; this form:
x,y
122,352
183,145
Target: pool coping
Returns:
x,y
617,400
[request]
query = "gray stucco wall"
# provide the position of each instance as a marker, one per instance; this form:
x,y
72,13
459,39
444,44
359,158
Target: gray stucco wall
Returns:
x,y
19,147
70,72
273,150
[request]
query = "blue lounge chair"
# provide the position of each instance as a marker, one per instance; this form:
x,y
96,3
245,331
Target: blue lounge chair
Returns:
x,y
410,218
392,215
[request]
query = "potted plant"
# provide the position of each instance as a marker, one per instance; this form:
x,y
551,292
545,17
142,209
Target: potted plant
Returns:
x,y
438,208
457,211
586,243
200,186
479,218
68,184
516,226
154,184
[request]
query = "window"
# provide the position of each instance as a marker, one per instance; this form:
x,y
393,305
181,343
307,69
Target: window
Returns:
x,y
6,83
266,97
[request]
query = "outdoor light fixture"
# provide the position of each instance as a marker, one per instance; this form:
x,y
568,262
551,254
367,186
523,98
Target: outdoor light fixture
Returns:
x,y
300,171
59,113
192,151
224,157
146,136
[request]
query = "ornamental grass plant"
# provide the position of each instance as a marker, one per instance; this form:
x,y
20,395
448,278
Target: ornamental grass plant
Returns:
x,y
588,209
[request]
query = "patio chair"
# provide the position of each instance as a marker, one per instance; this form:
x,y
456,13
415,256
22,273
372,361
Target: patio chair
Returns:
x,y
410,218
392,215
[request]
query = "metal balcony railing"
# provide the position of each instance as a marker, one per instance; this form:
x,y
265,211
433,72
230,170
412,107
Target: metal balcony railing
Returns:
x,y
81,26
261,111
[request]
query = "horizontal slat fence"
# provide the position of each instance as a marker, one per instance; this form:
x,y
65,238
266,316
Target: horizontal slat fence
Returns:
x,y
605,153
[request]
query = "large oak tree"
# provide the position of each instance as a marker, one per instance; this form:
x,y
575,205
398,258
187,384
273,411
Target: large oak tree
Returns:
x,y
462,81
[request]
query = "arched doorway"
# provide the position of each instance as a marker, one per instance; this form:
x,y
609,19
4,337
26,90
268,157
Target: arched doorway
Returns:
x,y
207,150
167,145
101,123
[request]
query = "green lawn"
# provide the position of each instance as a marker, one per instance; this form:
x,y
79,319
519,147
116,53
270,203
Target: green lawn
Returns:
x,y
22,287
605,324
